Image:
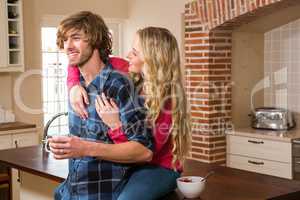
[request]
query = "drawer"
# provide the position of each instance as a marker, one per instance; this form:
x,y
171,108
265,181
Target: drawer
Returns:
x,y
296,164
5,142
259,148
273,168
296,148
25,139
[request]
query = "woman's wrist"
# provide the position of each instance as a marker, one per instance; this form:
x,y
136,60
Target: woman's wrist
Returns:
x,y
116,126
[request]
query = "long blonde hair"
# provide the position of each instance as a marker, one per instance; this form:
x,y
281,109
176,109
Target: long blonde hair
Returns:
x,y
163,82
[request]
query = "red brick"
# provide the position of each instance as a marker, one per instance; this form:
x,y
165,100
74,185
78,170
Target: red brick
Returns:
x,y
214,78
195,78
215,54
217,66
198,108
222,34
198,35
204,145
202,157
196,48
212,115
194,41
218,48
222,60
214,40
215,139
194,55
197,150
222,144
203,60
195,114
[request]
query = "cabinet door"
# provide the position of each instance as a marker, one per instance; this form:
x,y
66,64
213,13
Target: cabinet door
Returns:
x,y
25,139
21,140
5,142
3,34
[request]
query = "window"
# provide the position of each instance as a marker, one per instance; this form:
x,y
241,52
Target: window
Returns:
x,y
54,81
55,94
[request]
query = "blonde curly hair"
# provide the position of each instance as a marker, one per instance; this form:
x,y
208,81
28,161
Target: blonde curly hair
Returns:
x,y
163,82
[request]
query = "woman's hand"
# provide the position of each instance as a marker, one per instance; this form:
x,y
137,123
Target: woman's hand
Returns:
x,y
78,99
108,111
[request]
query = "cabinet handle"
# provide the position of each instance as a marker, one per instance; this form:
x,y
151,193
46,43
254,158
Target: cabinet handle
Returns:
x,y
19,179
255,163
296,141
16,144
255,142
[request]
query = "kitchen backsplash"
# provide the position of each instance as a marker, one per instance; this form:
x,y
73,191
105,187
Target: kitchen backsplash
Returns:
x,y
282,67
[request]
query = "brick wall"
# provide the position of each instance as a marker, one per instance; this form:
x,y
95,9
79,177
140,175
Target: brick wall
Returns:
x,y
208,41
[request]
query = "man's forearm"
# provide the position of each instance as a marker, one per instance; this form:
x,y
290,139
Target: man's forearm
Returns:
x,y
127,152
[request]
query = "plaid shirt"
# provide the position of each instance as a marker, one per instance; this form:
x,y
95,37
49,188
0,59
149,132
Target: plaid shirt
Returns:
x,y
91,178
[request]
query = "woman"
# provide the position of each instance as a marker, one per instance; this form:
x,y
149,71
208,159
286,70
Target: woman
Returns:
x,y
155,53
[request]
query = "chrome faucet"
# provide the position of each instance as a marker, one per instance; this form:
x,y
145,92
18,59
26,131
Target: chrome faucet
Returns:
x,y
49,123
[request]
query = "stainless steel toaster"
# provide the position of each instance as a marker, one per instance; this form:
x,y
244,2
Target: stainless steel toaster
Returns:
x,y
272,118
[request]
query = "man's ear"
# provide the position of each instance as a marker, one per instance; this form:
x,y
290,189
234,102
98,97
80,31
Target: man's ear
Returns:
x,y
95,52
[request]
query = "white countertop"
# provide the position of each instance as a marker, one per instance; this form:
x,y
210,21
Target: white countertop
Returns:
x,y
285,136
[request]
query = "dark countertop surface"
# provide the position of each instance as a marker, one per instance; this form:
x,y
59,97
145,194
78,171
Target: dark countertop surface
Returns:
x,y
15,125
225,184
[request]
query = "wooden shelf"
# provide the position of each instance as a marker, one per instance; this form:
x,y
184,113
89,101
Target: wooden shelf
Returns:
x,y
4,178
12,4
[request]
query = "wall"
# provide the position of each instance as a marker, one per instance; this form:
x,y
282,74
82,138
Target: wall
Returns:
x,y
275,46
247,71
6,93
142,13
282,50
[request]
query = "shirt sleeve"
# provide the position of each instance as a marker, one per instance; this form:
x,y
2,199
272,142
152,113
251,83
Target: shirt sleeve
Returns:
x,y
133,117
117,135
119,64
161,131
73,76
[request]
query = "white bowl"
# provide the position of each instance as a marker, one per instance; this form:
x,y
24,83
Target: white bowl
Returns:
x,y
191,189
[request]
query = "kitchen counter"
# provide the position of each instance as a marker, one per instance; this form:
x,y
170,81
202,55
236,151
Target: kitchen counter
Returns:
x,y
285,136
15,127
225,184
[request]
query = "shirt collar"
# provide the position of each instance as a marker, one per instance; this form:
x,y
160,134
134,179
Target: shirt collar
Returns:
x,y
100,79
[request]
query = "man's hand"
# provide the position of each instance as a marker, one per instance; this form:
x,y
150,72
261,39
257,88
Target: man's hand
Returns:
x,y
64,147
78,99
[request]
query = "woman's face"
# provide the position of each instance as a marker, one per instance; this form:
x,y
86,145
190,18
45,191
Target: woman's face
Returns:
x,y
135,56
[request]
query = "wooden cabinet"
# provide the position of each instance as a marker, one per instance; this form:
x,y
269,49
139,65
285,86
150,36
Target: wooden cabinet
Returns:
x,y
11,36
15,139
260,155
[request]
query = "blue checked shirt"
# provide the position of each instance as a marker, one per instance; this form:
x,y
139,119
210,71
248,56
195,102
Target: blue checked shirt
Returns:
x,y
91,178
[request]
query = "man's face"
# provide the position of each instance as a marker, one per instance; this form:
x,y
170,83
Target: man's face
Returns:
x,y
77,48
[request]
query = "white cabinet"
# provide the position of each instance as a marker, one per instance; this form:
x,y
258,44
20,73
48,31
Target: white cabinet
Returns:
x,y
5,142
11,36
260,155
15,139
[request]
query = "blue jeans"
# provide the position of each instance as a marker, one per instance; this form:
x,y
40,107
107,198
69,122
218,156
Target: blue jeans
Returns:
x,y
149,182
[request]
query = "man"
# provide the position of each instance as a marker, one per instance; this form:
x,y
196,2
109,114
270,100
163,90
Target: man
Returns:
x,y
96,165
